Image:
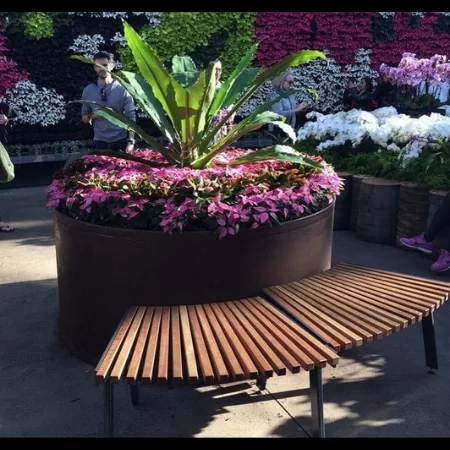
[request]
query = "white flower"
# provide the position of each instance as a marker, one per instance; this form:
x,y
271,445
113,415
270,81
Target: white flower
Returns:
x,y
87,45
35,105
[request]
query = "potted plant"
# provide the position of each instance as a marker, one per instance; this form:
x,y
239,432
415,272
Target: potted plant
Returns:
x,y
191,220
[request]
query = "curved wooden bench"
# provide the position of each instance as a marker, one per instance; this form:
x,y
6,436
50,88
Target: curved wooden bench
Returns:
x,y
349,305
208,344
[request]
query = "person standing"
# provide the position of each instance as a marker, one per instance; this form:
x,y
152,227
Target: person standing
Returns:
x,y
106,91
6,114
424,241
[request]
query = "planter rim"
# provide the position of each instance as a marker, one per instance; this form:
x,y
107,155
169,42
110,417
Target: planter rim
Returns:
x,y
127,232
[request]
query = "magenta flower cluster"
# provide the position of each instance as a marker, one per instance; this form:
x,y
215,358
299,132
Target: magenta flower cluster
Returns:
x,y
412,71
223,198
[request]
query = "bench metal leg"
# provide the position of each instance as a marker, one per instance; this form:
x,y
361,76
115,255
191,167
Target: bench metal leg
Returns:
x,y
109,410
134,391
316,395
261,381
429,340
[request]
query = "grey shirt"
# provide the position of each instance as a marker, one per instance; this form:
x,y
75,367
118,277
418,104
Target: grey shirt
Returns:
x,y
285,108
116,98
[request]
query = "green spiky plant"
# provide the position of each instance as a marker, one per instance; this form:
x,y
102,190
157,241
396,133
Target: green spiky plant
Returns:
x,y
183,105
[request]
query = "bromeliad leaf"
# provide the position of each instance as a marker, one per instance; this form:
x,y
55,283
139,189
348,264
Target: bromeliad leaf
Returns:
x,y
279,152
154,72
184,70
287,129
123,121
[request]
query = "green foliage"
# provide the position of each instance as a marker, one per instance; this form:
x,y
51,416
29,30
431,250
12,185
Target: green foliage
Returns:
x,y
38,25
190,111
190,33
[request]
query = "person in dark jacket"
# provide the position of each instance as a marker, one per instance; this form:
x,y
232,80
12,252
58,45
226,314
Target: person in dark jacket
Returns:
x,y
384,94
359,96
6,114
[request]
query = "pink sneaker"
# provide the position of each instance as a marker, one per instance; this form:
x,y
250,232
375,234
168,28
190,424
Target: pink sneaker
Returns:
x,y
442,263
418,243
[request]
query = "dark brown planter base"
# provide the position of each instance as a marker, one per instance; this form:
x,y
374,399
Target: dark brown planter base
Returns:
x,y
102,271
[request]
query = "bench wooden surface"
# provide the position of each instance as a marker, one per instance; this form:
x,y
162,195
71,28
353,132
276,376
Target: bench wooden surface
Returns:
x,y
349,305
208,344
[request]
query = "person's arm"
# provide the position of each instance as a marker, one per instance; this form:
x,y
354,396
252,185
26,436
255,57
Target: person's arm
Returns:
x,y
130,111
87,114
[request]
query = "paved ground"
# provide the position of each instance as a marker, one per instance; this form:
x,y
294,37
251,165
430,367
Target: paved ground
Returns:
x,y
379,390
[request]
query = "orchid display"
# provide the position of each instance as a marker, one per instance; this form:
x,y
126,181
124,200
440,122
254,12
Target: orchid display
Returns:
x,y
418,80
387,129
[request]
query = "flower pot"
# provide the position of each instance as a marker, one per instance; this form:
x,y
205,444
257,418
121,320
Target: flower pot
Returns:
x,y
102,270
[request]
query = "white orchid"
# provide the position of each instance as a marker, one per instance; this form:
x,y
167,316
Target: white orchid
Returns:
x,y
399,133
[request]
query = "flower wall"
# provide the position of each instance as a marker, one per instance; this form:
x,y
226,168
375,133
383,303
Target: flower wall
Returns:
x,y
37,77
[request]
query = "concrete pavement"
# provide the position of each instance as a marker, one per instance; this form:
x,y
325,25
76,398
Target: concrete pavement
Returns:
x,y
378,390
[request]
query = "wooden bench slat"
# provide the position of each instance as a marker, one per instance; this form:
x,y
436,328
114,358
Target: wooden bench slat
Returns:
x,y
367,308
391,274
127,346
241,353
323,325
257,356
403,313
176,350
152,345
360,328
114,347
416,309
353,313
422,305
269,334
215,356
401,280
278,366
437,299
298,357
136,359
163,347
316,350
189,351
228,355
204,362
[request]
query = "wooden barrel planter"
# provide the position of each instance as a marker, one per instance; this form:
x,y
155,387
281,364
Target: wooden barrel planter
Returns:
x,y
412,209
354,209
378,209
343,203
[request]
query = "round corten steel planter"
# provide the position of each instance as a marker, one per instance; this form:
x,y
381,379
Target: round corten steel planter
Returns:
x,y
102,270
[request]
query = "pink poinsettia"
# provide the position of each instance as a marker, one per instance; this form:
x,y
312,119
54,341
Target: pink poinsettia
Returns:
x,y
223,199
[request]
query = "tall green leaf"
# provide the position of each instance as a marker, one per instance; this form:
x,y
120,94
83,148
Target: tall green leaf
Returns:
x,y
142,93
278,152
223,91
184,70
121,120
205,146
152,69
238,131
300,57
207,99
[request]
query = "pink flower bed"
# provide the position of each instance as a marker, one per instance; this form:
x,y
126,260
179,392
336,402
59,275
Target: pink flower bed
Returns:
x,y
224,199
